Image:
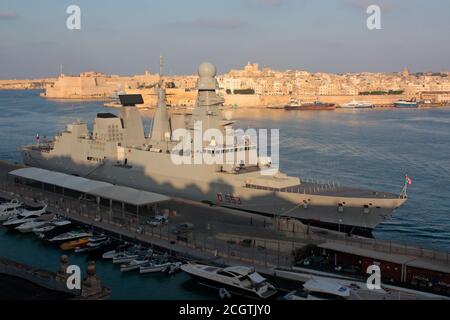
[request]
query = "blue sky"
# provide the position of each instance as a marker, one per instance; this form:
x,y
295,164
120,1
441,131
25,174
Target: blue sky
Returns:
x,y
123,37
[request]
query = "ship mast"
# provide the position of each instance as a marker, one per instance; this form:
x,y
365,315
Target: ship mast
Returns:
x,y
161,131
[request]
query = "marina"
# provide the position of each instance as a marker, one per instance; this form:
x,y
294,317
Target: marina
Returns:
x,y
219,249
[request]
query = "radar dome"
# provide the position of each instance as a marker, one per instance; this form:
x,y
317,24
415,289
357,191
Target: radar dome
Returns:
x,y
207,70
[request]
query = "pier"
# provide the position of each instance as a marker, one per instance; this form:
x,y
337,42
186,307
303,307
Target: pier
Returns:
x,y
220,236
21,281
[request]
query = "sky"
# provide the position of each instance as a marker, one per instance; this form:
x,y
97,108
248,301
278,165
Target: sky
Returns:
x,y
127,37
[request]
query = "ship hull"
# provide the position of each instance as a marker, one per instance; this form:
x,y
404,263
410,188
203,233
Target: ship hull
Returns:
x,y
321,210
405,105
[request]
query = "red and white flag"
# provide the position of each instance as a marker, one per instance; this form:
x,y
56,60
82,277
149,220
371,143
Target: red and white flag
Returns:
x,y
408,180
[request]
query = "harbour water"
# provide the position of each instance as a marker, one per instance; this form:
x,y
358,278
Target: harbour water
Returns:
x,y
368,148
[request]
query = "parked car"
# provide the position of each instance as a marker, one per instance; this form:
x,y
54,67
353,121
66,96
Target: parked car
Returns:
x,y
183,228
157,221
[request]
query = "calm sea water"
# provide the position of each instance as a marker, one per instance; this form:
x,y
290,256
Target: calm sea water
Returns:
x,y
367,148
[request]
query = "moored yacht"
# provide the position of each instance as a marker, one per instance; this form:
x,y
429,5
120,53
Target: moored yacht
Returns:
x,y
9,209
35,223
238,280
24,216
71,235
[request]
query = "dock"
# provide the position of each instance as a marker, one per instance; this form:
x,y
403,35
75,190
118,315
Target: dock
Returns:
x,y
220,236
22,281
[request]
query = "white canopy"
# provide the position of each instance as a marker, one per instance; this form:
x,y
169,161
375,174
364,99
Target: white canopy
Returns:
x,y
128,195
93,187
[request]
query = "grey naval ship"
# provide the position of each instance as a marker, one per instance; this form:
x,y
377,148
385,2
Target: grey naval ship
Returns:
x,y
119,151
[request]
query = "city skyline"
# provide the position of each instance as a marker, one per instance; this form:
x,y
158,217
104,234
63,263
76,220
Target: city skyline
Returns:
x,y
125,38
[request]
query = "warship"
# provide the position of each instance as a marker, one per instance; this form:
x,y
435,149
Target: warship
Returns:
x,y
119,151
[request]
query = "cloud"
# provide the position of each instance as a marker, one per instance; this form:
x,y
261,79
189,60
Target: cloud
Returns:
x,y
5,15
225,23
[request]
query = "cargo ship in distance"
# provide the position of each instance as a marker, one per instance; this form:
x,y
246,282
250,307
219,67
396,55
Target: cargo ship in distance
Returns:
x,y
118,151
294,104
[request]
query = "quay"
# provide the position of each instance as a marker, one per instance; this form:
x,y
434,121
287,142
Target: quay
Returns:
x,y
226,237
21,281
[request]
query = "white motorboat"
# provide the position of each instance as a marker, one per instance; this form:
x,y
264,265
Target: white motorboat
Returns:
x,y
357,105
131,254
71,235
58,223
36,223
123,257
135,264
238,280
24,216
121,248
156,265
319,289
61,222
10,209
43,229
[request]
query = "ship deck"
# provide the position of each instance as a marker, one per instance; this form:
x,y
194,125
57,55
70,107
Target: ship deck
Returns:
x,y
331,190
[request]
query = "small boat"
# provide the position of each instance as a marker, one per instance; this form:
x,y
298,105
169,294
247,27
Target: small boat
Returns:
x,y
53,228
10,209
71,235
23,217
61,222
406,104
123,257
43,229
135,264
238,280
36,223
157,264
98,238
295,105
129,255
112,253
97,247
73,244
357,105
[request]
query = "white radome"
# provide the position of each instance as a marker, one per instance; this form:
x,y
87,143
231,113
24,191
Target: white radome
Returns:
x,y
206,70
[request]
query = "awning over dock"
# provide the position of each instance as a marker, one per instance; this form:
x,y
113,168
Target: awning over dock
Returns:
x,y
101,189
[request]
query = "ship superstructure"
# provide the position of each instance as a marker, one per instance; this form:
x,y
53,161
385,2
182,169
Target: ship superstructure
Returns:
x,y
118,151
